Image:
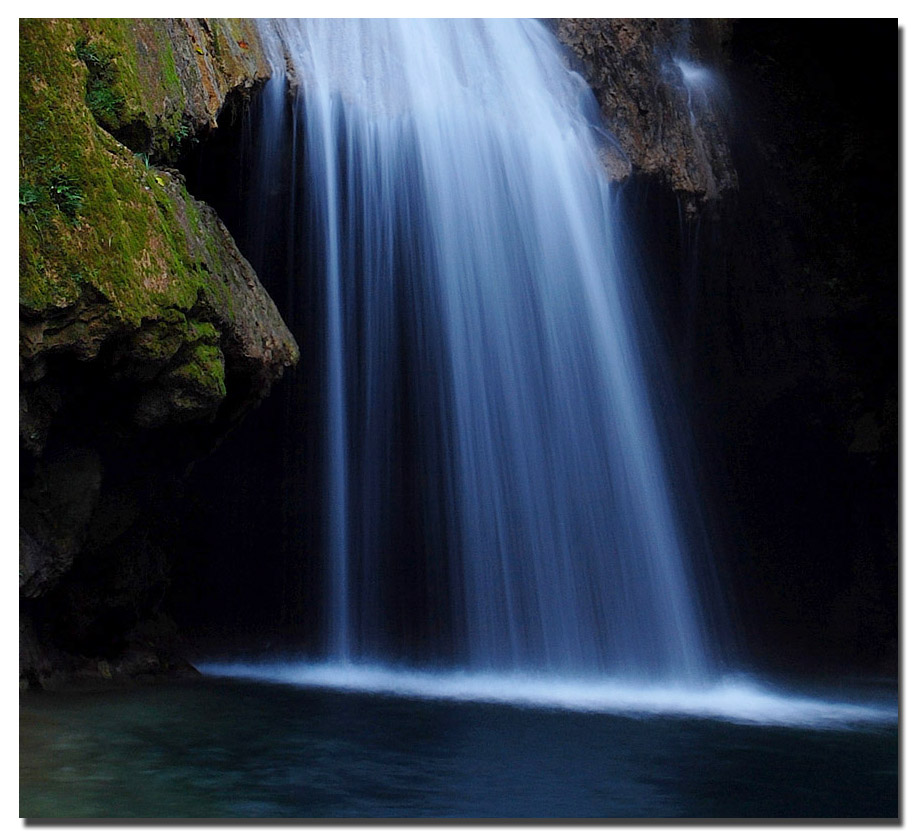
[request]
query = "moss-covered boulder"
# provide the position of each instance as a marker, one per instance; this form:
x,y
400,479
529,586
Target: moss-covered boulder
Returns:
x,y
110,245
145,335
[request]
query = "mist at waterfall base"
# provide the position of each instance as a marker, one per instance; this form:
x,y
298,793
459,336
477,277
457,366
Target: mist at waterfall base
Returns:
x,y
477,485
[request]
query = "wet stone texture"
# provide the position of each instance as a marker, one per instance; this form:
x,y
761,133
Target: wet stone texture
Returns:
x,y
660,94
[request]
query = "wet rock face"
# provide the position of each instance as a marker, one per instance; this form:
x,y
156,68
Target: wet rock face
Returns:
x,y
144,333
661,96
779,303
778,299
55,510
159,85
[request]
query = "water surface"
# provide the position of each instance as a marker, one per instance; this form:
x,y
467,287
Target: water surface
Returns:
x,y
227,749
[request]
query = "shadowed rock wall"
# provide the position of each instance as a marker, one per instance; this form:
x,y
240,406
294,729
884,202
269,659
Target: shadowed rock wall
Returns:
x,y
144,333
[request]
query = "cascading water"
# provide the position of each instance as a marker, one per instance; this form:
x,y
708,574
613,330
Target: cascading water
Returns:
x,y
479,303
505,505
479,421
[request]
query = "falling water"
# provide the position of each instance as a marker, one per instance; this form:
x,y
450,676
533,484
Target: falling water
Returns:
x,y
497,493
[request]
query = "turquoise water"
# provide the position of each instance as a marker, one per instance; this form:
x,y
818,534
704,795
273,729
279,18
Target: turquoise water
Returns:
x,y
221,748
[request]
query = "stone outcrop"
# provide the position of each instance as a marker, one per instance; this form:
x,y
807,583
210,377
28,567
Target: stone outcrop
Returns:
x,y
661,96
144,334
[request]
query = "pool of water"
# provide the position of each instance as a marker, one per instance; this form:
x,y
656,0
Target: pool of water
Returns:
x,y
230,748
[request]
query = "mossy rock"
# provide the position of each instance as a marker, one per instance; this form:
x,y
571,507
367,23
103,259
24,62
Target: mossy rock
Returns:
x,y
144,333
114,249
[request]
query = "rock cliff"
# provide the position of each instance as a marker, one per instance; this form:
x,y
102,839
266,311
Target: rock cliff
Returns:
x,y
144,333
661,96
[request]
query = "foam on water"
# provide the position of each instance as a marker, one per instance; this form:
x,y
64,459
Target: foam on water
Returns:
x,y
737,699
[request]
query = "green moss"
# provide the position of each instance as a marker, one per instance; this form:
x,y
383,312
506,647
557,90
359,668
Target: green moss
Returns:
x,y
91,213
190,346
103,230
160,340
170,76
133,86
202,332
205,368
105,103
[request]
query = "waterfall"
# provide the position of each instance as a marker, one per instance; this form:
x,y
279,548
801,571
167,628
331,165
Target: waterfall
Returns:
x,y
498,490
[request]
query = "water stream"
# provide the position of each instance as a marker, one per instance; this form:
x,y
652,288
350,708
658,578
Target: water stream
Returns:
x,y
484,360
500,490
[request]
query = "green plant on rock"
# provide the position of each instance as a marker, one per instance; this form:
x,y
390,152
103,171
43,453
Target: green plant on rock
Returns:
x,y
105,104
90,54
33,204
61,191
66,195
101,98
29,196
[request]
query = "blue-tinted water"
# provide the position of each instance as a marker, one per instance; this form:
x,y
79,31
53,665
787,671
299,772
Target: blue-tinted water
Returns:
x,y
486,358
228,749
479,299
